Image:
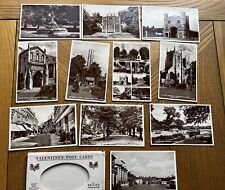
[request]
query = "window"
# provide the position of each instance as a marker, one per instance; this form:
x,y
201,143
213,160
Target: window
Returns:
x,y
31,55
42,58
168,21
37,57
178,21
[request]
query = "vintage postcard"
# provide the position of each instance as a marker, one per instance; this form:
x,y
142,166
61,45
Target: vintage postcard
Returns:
x,y
178,72
112,22
142,170
111,125
88,71
66,170
181,124
45,126
170,23
131,79
37,71
50,21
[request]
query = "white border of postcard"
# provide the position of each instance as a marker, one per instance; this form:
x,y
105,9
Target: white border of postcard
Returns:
x,y
42,147
148,8
160,60
137,151
150,72
67,83
117,105
150,123
30,38
115,39
57,78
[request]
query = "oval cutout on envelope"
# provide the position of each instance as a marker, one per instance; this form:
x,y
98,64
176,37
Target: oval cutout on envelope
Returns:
x,y
66,176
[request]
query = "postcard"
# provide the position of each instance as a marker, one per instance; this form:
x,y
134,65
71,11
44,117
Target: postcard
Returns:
x,y
178,71
37,72
181,124
114,22
45,126
88,71
170,24
111,125
131,79
66,170
143,170
50,21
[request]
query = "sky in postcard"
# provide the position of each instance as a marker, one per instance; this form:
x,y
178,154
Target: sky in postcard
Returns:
x,y
158,113
188,50
160,164
154,16
101,53
43,113
51,47
104,10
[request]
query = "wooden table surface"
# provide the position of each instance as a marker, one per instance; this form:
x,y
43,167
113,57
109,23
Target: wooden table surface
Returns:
x,y
198,168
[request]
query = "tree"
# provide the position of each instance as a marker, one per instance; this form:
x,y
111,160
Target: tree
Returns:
x,y
77,67
144,52
172,114
116,53
196,114
94,71
123,53
133,53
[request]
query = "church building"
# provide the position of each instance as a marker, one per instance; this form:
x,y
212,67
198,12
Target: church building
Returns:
x,y
176,26
35,68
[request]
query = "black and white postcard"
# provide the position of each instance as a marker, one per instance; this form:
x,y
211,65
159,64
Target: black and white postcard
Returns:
x,y
42,126
112,22
180,124
134,170
50,21
66,170
170,23
131,79
178,71
37,72
111,125
88,71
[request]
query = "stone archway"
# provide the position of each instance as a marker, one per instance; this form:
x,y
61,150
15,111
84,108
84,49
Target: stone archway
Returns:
x,y
37,79
173,32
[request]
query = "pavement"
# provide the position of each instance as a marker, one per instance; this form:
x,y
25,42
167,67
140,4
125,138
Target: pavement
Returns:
x,y
84,93
146,187
117,140
174,93
35,141
122,35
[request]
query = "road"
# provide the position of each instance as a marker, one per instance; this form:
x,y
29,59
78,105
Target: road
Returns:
x,y
42,140
146,187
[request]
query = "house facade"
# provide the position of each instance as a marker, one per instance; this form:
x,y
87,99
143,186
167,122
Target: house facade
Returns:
x,y
35,68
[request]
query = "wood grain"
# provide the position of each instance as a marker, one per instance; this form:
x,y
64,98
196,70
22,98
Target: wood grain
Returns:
x,y
220,44
7,39
197,167
208,9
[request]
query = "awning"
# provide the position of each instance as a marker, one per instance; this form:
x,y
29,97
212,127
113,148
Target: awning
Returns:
x,y
27,127
17,127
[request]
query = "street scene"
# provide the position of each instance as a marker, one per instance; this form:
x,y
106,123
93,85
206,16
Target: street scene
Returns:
x,y
42,126
111,22
88,71
37,78
50,21
178,71
131,72
143,170
181,124
112,125
170,23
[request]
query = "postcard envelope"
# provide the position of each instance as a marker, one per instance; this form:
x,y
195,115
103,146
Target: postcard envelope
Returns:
x,y
66,171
